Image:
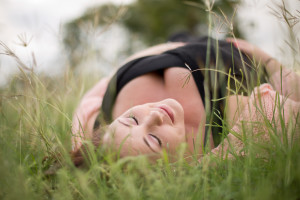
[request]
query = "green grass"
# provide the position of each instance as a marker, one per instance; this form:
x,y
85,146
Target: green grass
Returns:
x,y
35,141
35,137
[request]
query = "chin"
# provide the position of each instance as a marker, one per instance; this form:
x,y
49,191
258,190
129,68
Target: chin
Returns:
x,y
174,104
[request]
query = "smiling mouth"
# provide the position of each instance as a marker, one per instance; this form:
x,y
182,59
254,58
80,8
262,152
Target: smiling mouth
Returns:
x,y
167,111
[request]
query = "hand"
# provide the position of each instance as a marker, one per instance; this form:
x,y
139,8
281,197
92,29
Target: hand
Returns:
x,y
262,111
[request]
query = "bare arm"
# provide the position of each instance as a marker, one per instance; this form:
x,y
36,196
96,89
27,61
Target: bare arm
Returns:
x,y
86,113
285,81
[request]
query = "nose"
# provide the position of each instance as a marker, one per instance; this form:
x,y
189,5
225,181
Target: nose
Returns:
x,y
154,118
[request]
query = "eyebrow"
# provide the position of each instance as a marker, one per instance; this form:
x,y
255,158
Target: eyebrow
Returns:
x,y
123,123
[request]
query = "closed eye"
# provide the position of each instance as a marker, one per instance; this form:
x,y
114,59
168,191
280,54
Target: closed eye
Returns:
x,y
146,142
134,118
158,140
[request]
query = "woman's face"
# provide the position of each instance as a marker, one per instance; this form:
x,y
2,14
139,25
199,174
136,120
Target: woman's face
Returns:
x,y
148,129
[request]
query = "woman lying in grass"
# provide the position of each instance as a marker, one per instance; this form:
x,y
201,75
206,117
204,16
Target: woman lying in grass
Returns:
x,y
153,105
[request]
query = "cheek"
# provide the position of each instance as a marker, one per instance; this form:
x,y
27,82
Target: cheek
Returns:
x,y
175,141
172,137
179,132
106,140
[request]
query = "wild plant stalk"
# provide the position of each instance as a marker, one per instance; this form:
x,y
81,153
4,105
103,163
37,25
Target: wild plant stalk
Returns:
x,y
35,118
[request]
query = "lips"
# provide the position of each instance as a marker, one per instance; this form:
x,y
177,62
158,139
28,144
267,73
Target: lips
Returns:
x,y
167,110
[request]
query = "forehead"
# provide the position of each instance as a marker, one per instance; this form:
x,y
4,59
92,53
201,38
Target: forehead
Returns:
x,y
118,127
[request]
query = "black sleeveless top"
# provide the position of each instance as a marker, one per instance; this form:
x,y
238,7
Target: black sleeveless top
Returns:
x,y
210,67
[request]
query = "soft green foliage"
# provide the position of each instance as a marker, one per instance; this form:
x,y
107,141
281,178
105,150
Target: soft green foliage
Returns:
x,y
157,20
80,34
35,132
148,21
35,163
